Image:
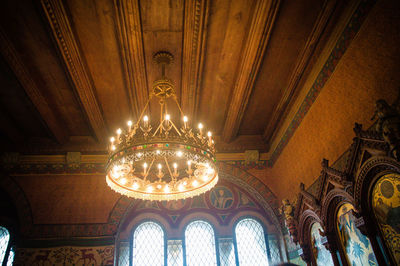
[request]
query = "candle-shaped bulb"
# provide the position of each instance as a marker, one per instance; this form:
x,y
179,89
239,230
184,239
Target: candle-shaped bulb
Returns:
x,y
167,117
159,166
179,153
175,165
209,133
145,118
113,147
200,126
129,123
119,131
112,139
185,119
145,165
189,163
209,137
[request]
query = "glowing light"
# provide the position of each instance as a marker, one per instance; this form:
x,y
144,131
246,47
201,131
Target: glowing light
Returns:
x,y
129,123
185,119
179,153
158,151
166,189
113,147
167,117
145,165
180,187
195,183
158,186
175,165
146,118
135,185
209,133
189,163
112,139
150,189
123,181
159,166
119,131
200,125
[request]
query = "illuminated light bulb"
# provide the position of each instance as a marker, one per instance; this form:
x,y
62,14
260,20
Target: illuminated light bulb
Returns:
x,y
115,168
139,155
179,153
180,187
175,165
117,175
150,189
135,185
167,117
145,165
209,133
158,151
113,147
210,170
185,183
145,118
185,119
195,183
123,181
159,166
129,123
158,186
123,160
189,163
119,131
112,139
166,189
200,126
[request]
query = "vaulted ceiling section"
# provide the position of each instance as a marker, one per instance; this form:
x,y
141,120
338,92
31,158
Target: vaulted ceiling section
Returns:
x,y
73,71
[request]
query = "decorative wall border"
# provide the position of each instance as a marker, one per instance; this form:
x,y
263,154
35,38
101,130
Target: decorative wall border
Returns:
x,y
327,70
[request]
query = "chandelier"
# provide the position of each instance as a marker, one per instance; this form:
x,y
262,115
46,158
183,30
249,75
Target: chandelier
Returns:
x,y
164,160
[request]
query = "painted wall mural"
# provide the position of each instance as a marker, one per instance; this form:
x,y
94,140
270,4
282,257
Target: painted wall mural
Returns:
x,y
356,246
221,197
386,206
66,255
293,251
321,254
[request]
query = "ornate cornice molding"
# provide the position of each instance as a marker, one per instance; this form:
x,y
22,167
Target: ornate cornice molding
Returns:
x,y
253,53
194,38
69,49
298,71
132,53
328,68
31,88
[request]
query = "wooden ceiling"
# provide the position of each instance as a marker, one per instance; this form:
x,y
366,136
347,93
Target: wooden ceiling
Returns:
x,y
73,71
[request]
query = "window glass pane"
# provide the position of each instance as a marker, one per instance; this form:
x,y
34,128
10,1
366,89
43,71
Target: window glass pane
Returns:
x,y
226,252
251,243
274,251
4,238
123,259
148,245
200,244
175,253
11,257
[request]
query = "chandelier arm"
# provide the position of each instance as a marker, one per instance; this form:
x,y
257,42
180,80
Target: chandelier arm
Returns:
x,y
148,171
159,128
144,109
176,129
179,107
169,170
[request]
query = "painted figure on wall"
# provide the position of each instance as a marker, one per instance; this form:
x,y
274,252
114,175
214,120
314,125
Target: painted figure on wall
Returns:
x,y
221,197
356,246
386,206
321,254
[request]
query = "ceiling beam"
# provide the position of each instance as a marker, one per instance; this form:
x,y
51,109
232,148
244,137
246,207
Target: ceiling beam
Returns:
x,y
69,49
194,39
301,64
253,53
32,89
132,53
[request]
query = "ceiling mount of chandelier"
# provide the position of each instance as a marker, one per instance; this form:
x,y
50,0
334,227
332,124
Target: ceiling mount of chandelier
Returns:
x,y
163,160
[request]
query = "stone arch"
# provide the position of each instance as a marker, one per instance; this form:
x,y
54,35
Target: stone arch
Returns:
x,y
20,201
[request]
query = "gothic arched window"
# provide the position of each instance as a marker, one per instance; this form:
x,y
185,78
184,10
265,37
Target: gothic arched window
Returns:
x,y
200,244
148,245
4,240
250,240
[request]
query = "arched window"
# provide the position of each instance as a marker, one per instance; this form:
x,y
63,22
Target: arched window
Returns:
x,y
200,244
4,239
250,241
148,244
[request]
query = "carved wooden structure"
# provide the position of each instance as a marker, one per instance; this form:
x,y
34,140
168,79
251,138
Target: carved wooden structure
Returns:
x,y
367,160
